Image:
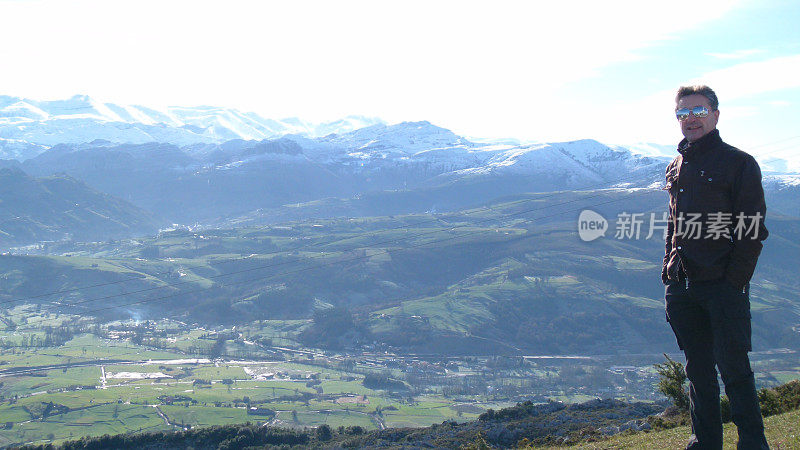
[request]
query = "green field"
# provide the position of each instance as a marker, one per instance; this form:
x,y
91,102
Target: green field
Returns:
x,y
73,401
435,310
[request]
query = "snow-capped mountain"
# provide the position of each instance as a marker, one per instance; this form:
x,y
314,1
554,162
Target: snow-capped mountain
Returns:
x,y
649,149
210,181
778,160
178,165
29,127
576,160
82,119
19,150
209,163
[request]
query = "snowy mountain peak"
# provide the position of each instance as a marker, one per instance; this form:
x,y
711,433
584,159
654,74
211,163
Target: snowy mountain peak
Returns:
x,y
650,149
14,109
82,119
406,138
29,127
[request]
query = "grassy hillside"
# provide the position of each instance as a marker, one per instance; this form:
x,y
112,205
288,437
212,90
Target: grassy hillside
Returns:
x,y
60,207
509,277
783,432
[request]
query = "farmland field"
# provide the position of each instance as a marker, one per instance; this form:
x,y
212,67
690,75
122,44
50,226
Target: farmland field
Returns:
x,y
94,385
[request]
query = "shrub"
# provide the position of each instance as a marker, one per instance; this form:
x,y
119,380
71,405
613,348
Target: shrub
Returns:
x,y
780,399
725,409
324,432
770,402
673,377
355,430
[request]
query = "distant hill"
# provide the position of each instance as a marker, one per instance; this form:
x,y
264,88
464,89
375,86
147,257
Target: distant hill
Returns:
x,y
220,167
60,207
517,280
411,167
404,168
508,277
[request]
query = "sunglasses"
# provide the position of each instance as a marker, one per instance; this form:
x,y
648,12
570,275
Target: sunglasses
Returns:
x,y
698,111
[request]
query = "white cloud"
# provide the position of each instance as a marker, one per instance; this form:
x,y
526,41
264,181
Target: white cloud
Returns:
x,y
738,54
781,103
753,78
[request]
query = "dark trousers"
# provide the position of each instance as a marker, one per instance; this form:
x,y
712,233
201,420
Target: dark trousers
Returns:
x,y
711,321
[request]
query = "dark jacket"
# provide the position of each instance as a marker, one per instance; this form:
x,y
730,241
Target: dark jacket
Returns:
x,y
718,186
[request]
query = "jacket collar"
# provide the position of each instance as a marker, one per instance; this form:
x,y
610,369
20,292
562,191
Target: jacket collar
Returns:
x,y
700,146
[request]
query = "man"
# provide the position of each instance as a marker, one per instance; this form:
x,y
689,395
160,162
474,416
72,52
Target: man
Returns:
x,y
716,225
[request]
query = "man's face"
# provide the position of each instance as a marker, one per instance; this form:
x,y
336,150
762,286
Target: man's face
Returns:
x,y
693,128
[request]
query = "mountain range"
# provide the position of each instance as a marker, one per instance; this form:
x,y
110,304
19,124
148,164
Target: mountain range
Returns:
x,y
213,183
424,234
28,127
218,167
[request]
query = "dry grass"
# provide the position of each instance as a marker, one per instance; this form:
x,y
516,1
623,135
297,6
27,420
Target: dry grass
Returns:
x,y
783,433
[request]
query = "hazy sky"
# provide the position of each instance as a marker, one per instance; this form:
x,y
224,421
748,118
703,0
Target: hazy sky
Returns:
x,y
530,70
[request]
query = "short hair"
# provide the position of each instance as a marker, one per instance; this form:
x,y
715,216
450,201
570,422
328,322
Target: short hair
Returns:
x,y
700,89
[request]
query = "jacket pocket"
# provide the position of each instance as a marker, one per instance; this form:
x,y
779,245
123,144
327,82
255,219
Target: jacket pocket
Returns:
x,y
713,192
738,326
